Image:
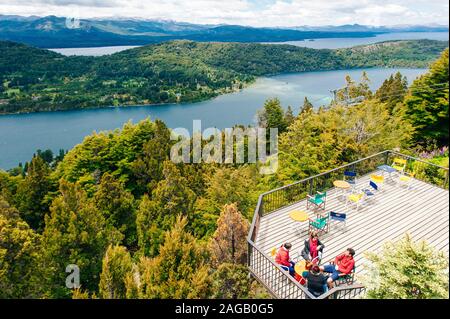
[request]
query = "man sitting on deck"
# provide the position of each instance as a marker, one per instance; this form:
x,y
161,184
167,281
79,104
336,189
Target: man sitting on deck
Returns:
x,y
282,258
343,265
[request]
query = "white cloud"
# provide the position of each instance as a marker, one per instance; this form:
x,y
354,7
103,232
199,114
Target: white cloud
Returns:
x,y
245,12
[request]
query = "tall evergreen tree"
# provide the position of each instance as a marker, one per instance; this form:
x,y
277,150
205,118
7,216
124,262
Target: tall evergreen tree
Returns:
x,y
289,117
117,207
116,269
427,104
272,115
171,197
19,256
148,167
32,191
180,269
307,107
393,90
74,234
228,243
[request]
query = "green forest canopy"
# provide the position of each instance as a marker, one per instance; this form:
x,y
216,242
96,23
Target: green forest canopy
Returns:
x,y
34,79
140,226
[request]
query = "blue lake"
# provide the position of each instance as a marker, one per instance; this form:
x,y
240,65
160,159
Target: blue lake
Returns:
x,y
326,43
22,134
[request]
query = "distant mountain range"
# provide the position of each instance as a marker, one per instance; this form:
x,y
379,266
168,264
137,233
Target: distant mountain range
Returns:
x,y
58,32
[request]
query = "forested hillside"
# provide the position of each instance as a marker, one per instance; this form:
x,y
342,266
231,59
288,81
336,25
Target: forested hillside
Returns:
x,y
139,226
180,71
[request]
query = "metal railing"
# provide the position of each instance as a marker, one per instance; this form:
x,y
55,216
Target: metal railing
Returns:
x,y
277,281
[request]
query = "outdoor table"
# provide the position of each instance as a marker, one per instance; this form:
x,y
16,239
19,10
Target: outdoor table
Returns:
x,y
342,185
387,169
298,216
300,267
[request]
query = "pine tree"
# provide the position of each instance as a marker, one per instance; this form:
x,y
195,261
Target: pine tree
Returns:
x,y
427,104
148,167
179,271
116,268
32,191
171,197
75,233
289,117
117,207
407,270
231,281
19,256
150,234
228,244
272,115
393,91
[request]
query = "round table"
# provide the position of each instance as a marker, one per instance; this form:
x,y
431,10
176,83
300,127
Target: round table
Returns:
x,y
300,267
343,186
299,216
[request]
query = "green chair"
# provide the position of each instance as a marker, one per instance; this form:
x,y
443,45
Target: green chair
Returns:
x,y
320,224
318,200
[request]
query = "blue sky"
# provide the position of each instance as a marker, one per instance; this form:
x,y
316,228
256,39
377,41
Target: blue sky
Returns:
x,y
245,12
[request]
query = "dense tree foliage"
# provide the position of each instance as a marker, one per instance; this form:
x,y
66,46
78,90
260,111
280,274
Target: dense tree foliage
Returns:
x,y
180,71
74,233
116,271
407,270
19,256
140,226
31,193
180,269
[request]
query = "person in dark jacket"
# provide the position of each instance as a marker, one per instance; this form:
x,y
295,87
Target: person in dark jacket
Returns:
x,y
313,248
316,281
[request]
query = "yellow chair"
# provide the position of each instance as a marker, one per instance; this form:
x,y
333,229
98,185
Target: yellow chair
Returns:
x,y
273,252
356,198
377,179
399,164
406,179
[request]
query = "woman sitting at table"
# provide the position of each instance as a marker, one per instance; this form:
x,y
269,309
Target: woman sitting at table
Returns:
x,y
313,248
284,260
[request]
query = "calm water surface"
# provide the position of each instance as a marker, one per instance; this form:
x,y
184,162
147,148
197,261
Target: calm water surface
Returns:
x,y
21,135
336,43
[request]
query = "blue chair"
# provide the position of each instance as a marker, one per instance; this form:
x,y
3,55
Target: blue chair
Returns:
x,y
340,218
350,177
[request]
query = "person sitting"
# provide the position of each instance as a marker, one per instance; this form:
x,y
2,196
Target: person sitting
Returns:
x,y
313,249
282,258
343,265
316,281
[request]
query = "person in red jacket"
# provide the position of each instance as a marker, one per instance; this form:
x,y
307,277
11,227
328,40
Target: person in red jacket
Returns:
x,y
282,258
343,265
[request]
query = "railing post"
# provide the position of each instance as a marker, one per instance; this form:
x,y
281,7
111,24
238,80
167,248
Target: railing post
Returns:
x,y
386,158
446,181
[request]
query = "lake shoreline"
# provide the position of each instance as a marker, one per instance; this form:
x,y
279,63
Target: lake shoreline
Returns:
x,y
245,85
22,134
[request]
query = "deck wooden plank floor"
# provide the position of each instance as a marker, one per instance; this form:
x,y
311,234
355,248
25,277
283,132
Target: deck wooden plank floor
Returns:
x,y
422,211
